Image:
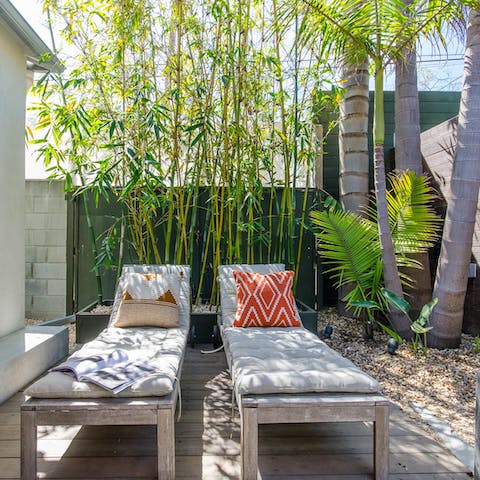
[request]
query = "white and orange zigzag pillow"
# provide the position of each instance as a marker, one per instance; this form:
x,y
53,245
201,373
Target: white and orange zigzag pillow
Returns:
x,y
265,300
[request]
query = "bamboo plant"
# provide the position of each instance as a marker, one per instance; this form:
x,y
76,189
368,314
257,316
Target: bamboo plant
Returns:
x,y
202,127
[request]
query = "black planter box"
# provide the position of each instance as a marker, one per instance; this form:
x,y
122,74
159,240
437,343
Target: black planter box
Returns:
x,y
88,324
204,322
308,316
202,325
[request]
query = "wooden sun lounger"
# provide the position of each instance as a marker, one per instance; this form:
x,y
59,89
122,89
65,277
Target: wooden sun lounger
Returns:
x,y
261,408
70,409
311,408
159,411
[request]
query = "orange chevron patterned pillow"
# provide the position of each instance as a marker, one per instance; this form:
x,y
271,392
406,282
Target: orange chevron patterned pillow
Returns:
x,y
265,300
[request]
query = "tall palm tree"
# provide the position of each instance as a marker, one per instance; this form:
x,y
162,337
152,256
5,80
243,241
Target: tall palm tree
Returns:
x,y
408,156
380,30
451,279
353,136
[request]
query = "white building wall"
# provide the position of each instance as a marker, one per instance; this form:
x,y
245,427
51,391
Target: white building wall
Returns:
x,y
12,183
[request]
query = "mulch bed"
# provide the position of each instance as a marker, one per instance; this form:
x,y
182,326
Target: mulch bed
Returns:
x,y
444,382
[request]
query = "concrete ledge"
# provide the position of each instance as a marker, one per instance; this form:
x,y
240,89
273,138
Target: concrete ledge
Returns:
x,y
27,353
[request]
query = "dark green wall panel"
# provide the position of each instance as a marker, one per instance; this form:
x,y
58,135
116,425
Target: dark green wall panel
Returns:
x,y
104,215
435,108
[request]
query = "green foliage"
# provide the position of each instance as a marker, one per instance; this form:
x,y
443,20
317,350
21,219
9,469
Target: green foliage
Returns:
x,y
420,327
391,333
163,98
350,245
395,301
382,32
379,29
413,223
370,307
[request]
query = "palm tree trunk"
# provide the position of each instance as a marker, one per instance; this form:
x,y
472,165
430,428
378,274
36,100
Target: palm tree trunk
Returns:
x,y
408,156
353,138
353,147
390,270
451,279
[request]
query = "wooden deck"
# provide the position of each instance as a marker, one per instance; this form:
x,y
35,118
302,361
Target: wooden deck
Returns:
x,y
207,443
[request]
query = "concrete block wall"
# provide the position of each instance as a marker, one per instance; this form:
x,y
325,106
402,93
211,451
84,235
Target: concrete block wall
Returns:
x,y
45,249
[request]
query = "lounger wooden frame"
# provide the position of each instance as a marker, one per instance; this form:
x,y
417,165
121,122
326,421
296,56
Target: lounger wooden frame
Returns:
x,y
159,411
312,408
151,410
257,409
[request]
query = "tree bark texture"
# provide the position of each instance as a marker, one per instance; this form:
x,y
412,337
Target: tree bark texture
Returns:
x,y
452,271
408,156
353,138
318,135
390,270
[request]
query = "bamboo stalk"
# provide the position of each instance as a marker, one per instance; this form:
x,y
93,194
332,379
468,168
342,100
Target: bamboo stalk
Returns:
x,y
152,80
86,200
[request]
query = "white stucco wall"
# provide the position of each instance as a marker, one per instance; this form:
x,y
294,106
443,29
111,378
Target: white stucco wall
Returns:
x,y
12,183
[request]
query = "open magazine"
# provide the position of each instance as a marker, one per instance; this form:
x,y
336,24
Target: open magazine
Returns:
x,y
113,371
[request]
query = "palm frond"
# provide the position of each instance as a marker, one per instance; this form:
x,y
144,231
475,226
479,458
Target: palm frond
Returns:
x,y
349,244
372,294
413,222
380,29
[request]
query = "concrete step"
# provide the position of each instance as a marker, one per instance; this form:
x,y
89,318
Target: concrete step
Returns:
x,y
27,353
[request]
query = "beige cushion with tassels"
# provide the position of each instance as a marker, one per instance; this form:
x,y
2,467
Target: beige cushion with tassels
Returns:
x,y
148,300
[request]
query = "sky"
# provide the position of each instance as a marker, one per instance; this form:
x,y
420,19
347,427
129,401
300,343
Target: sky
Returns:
x,y
31,10
436,71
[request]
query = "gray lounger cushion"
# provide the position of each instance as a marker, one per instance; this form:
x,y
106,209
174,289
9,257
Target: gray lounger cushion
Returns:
x,y
282,360
289,360
163,348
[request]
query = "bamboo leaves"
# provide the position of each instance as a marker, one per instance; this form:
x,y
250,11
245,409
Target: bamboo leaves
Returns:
x,y
187,111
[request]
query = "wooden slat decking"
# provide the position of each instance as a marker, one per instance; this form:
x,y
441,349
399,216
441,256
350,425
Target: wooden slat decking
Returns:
x,y
207,443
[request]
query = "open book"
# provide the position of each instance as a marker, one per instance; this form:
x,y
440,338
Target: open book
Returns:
x,y
113,371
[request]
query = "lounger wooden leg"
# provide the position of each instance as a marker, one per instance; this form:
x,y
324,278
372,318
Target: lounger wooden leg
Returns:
x,y
381,442
166,444
249,444
28,462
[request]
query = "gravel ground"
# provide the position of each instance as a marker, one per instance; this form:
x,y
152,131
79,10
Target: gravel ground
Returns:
x,y
443,382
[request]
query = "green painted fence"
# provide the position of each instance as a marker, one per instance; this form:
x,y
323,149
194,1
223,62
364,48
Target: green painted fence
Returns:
x,y
435,108
83,286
